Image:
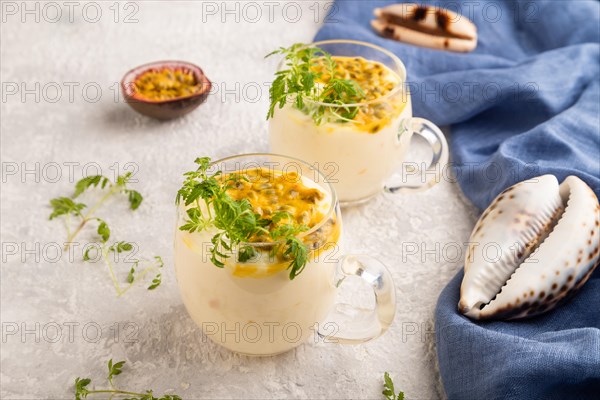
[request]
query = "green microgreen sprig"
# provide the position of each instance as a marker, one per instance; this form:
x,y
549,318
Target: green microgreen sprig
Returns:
x,y
208,206
69,208
298,84
139,269
389,391
82,389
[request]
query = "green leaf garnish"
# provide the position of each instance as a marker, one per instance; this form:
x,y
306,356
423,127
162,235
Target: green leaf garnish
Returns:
x,y
114,369
131,276
247,253
65,206
86,254
389,391
135,198
82,391
89,181
103,230
155,282
235,221
120,247
297,84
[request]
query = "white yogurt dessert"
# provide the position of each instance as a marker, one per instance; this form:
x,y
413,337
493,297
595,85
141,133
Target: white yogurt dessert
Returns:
x,y
357,138
253,307
355,162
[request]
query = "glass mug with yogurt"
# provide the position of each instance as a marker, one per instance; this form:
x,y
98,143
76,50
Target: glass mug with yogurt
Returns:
x,y
252,306
360,157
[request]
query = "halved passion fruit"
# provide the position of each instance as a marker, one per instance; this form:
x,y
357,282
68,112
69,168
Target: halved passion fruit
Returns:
x,y
165,89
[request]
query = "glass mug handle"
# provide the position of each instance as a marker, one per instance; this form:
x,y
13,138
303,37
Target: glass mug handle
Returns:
x,y
433,173
348,324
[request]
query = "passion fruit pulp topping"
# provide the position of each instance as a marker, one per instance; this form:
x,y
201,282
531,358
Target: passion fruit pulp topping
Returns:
x,y
166,84
270,192
376,80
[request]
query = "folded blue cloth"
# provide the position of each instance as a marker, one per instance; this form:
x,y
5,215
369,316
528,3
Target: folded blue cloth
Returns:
x,y
526,102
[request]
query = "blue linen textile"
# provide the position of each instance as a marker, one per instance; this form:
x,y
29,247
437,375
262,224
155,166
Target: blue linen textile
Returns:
x,y
526,102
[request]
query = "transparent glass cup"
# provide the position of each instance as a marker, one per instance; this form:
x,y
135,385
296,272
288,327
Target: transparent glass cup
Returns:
x,y
254,308
361,163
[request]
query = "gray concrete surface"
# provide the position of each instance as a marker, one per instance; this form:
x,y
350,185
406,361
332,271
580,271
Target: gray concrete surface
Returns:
x,y
61,318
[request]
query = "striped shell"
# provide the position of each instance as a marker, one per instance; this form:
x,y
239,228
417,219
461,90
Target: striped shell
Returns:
x,y
427,26
534,246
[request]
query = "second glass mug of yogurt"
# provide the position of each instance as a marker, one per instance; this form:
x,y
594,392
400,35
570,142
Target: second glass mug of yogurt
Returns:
x,y
361,156
251,304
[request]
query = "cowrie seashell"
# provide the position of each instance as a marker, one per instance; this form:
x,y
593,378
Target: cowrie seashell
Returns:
x,y
546,241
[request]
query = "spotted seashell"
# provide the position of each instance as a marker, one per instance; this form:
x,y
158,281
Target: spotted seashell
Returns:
x,y
534,246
